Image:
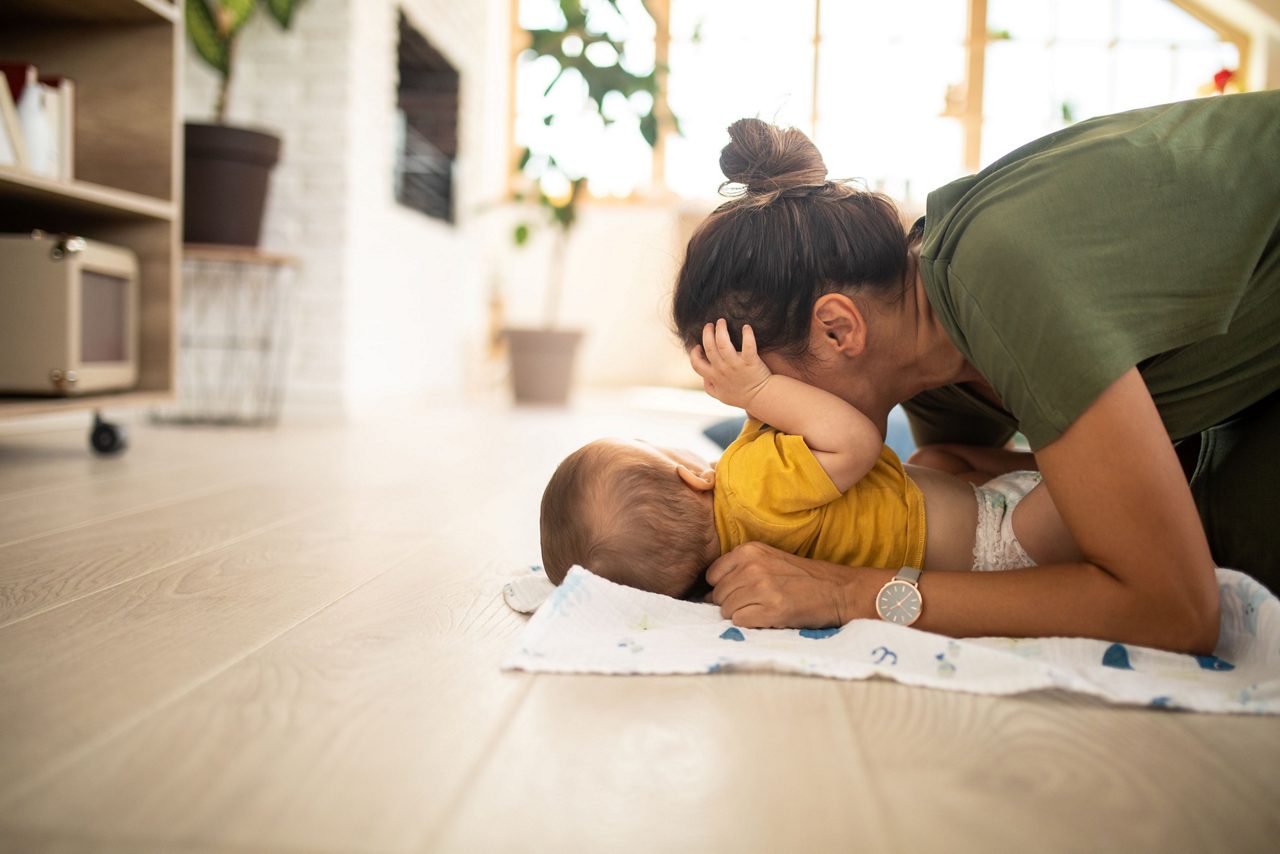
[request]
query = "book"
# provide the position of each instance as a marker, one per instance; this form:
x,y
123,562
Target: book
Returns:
x,y
12,149
45,109
37,131
19,75
60,100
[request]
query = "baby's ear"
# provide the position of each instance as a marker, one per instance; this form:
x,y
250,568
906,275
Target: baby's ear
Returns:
x,y
701,481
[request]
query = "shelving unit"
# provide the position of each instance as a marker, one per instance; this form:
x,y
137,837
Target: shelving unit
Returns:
x,y
123,56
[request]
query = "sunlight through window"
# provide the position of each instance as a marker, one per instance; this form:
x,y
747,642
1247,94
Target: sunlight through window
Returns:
x,y
1053,62
882,88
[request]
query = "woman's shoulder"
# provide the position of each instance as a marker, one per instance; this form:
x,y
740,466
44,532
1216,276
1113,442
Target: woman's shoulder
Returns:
x,y
1095,182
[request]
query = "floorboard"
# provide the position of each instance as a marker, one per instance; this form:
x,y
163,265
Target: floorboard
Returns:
x,y
960,772
54,570
289,641
83,673
755,762
347,739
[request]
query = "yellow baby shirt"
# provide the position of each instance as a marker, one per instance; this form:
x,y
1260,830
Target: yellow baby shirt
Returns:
x,y
770,488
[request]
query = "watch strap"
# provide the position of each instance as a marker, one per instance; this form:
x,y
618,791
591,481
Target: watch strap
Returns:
x,y
909,574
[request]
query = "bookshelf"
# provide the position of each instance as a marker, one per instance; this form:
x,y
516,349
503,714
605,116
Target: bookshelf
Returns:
x,y
123,56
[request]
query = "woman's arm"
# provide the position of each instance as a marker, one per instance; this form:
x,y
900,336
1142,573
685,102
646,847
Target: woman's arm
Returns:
x,y
973,463
951,415
844,441
1147,577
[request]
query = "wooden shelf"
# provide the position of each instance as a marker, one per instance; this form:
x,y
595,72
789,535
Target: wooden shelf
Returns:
x,y
82,196
91,11
236,254
23,407
124,57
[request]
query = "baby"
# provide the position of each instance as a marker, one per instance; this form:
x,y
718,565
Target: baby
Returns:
x,y
809,474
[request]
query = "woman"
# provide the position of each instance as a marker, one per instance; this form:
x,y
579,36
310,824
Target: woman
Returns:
x,y
1111,290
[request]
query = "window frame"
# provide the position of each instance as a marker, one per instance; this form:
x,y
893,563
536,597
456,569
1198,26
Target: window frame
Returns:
x,y
969,114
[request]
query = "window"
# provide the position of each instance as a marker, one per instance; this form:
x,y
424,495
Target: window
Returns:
x,y
614,156
904,95
427,110
1053,62
729,60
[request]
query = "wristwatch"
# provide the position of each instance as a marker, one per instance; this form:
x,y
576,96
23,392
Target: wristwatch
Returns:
x,y
899,601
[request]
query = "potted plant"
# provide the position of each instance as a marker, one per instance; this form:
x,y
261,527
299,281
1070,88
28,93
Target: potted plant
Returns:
x,y
542,357
227,167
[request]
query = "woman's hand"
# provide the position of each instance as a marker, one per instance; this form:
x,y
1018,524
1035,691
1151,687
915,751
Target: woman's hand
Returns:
x,y
729,376
760,587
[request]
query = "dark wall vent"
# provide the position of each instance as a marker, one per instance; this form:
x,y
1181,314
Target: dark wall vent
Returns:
x,y
427,102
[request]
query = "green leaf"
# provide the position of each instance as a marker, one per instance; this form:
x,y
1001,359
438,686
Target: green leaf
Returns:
x,y
564,217
649,128
232,14
546,42
521,234
525,154
210,44
574,15
551,85
283,10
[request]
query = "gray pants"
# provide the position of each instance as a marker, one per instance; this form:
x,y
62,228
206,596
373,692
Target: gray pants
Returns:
x,y
1236,486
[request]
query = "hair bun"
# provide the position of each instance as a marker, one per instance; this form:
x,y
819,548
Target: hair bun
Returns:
x,y
771,160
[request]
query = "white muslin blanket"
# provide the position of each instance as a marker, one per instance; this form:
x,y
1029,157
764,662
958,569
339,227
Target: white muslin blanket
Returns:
x,y
590,625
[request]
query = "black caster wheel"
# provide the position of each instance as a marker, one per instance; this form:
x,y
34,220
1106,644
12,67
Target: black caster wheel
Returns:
x,y
107,439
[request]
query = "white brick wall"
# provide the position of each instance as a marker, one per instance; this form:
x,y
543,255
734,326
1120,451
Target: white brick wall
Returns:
x,y
386,296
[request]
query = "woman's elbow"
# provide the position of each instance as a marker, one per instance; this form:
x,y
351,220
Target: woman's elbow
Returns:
x,y
1205,622
1190,619
1178,616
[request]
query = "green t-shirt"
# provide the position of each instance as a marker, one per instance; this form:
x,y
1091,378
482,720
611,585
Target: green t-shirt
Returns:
x,y
1148,238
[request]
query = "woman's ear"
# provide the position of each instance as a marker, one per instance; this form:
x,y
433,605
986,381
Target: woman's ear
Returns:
x,y
839,323
703,481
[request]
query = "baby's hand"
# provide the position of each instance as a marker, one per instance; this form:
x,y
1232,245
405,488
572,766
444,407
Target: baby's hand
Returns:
x,y
729,376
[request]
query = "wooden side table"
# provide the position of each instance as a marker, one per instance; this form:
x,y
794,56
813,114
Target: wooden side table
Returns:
x,y
234,335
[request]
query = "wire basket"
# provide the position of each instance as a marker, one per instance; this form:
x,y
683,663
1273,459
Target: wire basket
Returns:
x,y
234,336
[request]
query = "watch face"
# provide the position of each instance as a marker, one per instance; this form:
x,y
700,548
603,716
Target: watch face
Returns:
x,y
898,602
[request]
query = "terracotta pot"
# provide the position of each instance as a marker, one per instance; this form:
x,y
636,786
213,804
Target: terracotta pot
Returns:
x,y
225,184
542,364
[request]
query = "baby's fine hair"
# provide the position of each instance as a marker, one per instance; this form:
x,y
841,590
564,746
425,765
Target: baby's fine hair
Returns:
x,y
632,522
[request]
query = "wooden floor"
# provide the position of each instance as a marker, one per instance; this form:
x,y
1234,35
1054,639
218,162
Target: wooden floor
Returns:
x,y
289,641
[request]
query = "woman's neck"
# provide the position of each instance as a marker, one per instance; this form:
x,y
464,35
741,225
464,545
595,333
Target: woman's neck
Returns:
x,y
932,359
915,354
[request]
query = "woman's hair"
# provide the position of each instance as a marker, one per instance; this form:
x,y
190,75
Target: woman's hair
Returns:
x,y
786,238
632,522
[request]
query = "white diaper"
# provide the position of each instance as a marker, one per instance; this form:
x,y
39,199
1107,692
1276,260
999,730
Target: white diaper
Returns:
x,y
995,546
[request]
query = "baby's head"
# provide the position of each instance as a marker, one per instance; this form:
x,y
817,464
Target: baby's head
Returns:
x,y
633,513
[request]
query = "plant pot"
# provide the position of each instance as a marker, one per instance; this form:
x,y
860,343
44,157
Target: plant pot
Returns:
x,y
225,188
542,364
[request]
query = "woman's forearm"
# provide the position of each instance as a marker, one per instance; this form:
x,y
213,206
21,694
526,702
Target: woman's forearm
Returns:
x,y
1147,577
1034,602
759,586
